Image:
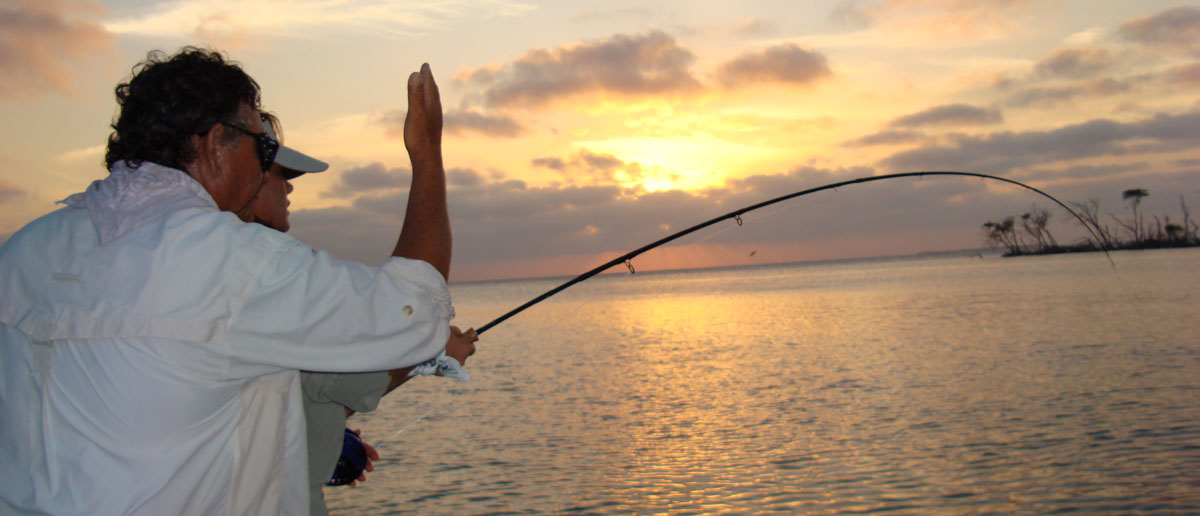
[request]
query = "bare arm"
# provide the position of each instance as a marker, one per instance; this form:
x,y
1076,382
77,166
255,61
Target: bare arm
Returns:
x,y
426,231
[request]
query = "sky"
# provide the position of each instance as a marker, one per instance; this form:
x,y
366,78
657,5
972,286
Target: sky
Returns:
x,y
578,130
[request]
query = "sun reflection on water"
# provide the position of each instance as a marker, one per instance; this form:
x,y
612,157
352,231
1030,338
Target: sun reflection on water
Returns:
x,y
920,387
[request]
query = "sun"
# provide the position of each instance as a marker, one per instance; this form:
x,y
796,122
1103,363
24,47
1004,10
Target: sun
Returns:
x,y
676,163
675,181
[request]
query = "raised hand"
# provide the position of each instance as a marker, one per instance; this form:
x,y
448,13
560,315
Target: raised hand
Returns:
x,y
423,124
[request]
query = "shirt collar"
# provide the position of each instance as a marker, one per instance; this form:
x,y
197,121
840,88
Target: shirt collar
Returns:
x,y
130,197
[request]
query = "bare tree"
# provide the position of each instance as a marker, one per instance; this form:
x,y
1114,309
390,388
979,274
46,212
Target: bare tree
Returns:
x,y
1035,223
1175,233
1146,230
1134,196
1159,233
1191,230
1089,211
1003,233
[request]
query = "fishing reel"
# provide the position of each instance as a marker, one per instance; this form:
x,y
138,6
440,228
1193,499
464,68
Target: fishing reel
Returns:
x,y
352,462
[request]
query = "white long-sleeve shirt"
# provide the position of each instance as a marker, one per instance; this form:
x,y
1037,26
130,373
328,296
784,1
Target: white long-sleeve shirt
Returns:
x,y
148,348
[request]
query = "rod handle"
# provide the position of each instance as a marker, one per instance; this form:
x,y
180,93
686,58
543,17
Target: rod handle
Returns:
x,y
470,335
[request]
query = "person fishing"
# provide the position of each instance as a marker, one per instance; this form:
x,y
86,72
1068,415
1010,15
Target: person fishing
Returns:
x,y
329,398
151,338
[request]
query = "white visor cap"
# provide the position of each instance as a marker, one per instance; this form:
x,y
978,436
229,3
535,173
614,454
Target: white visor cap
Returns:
x,y
294,162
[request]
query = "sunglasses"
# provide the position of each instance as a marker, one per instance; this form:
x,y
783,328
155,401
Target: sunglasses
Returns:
x,y
265,146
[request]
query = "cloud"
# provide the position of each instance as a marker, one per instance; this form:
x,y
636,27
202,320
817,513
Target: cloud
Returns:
x,y
649,64
465,121
623,221
1074,63
1184,75
1003,151
492,222
515,200
852,13
756,27
234,21
959,19
9,191
502,222
95,151
1086,37
454,122
1176,29
787,64
950,115
43,43
602,219
550,163
887,137
508,229
601,162
1078,172
1044,96
349,233
1067,75
615,13
590,168
392,121
371,178
463,177
1047,96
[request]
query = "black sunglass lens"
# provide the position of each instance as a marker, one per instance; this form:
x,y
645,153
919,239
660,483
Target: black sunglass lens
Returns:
x,y
267,148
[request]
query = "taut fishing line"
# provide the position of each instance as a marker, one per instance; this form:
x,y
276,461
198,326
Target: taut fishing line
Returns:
x,y
473,334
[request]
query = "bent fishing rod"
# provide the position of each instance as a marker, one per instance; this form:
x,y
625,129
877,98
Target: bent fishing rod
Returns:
x,y
473,334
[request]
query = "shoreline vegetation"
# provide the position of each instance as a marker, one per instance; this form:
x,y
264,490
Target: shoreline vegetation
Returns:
x,y
1029,234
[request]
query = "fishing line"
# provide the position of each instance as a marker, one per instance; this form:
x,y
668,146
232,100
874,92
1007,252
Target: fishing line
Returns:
x,y
379,444
415,421
626,259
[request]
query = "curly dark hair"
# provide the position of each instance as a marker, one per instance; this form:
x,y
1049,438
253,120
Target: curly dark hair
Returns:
x,y
169,99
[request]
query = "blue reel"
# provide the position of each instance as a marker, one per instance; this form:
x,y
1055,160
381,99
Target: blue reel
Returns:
x,y
352,462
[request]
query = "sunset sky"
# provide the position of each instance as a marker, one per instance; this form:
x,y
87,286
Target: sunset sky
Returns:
x,y
578,130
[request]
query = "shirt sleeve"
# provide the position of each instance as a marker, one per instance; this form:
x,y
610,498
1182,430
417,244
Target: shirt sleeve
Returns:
x,y
359,392
309,311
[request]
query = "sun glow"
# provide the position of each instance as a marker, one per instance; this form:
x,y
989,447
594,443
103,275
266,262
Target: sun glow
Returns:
x,y
690,163
681,180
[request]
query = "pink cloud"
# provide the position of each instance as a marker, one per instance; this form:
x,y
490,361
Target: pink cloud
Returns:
x,y
648,64
44,42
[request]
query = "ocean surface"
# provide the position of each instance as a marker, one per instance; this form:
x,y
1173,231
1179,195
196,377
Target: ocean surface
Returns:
x,y
920,385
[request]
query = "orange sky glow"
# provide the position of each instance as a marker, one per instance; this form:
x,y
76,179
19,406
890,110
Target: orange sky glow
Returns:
x,y
577,131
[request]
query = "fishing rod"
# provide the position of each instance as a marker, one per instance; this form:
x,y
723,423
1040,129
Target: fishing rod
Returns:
x,y
473,334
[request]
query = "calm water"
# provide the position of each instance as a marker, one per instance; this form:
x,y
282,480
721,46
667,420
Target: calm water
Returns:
x,y
916,386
